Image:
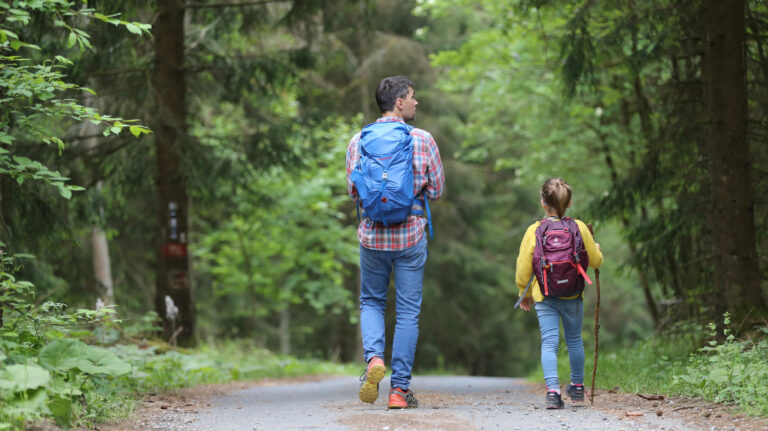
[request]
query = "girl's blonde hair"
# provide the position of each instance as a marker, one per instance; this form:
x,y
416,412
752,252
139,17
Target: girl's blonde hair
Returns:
x,y
556,194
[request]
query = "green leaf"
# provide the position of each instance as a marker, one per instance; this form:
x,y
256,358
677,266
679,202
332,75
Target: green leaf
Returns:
x,y
102,361
22,377
718,375
29,404
64,60
133,28
71,40
64,191
135,130
62,354
8,33
61,408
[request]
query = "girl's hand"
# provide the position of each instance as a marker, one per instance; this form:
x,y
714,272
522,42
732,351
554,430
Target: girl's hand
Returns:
x,y
597,244
526,304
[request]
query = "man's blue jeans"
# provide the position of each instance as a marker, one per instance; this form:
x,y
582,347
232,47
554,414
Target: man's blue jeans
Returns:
x,y
550,311
375,269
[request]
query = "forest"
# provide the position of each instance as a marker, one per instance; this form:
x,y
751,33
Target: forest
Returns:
x,y
173,191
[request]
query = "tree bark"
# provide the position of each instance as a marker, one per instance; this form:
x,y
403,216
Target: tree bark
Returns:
x,y
102,264
173,278
731,213
285,330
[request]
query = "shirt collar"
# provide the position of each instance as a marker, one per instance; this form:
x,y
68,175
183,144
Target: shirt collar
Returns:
x,y
392,118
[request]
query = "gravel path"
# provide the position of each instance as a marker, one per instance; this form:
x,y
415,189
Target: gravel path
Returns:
x,y
445,403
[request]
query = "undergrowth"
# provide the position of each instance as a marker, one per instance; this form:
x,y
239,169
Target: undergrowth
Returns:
x,y
83,367
725,370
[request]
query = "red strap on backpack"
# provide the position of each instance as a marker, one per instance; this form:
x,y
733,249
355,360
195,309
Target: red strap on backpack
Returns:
x,y
583,273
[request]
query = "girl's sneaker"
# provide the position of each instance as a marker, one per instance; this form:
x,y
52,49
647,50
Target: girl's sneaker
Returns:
x,y
575,393
554,401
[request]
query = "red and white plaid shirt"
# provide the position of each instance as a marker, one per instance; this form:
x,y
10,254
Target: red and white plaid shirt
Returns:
x,y
428,177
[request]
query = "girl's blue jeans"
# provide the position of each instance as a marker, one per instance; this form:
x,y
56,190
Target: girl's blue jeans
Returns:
x,y
550,311
375,269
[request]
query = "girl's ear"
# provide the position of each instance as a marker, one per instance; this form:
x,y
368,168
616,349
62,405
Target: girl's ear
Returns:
x,y
569,203
543,205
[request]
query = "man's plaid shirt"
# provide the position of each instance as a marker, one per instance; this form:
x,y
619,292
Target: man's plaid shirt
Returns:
x,y
428,178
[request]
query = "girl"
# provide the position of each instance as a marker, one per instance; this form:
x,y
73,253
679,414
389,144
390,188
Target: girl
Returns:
x,y
551,308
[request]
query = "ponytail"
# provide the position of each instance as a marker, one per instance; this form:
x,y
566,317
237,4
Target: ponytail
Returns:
x,y
556,194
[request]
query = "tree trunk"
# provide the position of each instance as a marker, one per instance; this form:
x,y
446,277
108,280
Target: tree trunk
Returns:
x,y
173,278
734,249
285,330
102,265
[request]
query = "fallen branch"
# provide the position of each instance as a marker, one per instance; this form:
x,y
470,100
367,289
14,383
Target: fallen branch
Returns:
x,y
651,397
687,407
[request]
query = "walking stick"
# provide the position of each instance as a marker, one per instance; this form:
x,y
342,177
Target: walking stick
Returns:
x,y
597,326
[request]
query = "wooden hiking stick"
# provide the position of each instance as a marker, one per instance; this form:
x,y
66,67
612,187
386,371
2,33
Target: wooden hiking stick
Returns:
x,y
597,326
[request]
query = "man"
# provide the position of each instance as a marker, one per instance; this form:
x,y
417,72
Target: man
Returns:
x,y
401,246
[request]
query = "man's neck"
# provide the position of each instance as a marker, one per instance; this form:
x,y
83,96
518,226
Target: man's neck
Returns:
x,y
391,114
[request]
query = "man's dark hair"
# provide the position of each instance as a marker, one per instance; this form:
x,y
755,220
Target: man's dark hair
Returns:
x,y
390,89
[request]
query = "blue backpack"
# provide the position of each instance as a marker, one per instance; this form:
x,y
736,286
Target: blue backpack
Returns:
x,y
383,176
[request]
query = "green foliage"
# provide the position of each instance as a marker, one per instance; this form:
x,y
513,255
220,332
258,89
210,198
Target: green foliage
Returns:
x,y
43,372
36,99
732,370
283,244
726,370
48,371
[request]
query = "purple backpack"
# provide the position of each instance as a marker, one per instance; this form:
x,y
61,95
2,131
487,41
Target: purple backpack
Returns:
x,y
559,258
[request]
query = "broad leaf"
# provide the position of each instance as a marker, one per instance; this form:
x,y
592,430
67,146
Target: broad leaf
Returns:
x,y
28,403
61,408
22,377
718,375
62,354
100,361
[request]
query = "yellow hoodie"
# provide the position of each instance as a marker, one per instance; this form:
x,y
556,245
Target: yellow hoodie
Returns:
x,y
525,260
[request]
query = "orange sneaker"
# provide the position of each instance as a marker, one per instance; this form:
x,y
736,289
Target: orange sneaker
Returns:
x,y
369,380
400,399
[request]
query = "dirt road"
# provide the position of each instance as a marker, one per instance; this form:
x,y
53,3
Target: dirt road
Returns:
x,y
450,403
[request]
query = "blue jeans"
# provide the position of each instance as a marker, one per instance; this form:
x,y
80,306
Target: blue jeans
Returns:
x,y
550,311
375,269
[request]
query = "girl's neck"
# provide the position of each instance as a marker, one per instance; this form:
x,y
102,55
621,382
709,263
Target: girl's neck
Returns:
x,y
553,214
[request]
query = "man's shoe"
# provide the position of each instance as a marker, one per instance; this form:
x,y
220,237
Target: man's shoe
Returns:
x,y
400,399
369,380
575,393
554,401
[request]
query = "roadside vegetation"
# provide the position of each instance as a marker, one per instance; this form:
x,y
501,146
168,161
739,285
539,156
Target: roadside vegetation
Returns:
x,y
83,367
706,362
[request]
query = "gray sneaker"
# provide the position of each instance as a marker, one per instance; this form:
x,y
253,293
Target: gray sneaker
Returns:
x,y
575,393
554,401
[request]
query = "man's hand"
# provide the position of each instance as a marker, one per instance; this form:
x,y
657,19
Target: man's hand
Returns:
x,y
526,304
